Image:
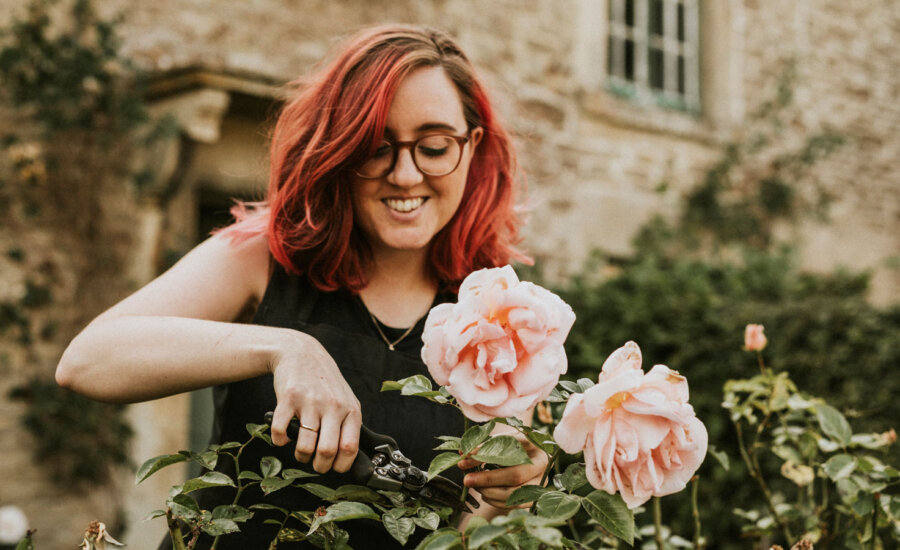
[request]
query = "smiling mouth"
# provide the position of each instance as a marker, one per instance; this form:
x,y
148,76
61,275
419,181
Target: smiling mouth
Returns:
x,y
404,205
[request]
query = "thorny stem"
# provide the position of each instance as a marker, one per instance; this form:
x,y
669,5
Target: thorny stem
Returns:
x,y
695,511
753,466
553,459
657,523
465,491
875,521
175,532
762,365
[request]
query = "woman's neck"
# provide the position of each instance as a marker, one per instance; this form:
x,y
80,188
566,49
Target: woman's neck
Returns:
x,y
400,289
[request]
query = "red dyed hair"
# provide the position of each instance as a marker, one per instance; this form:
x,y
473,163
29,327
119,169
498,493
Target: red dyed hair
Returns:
x,y
336,121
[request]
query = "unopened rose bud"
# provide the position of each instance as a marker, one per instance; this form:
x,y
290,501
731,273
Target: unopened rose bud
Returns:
x,y
544,414
754,339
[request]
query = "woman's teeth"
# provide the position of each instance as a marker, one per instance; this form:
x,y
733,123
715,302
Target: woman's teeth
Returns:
x,y
404,205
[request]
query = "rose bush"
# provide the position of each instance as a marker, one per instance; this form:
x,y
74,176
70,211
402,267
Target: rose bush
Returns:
x,y
499,349
640,436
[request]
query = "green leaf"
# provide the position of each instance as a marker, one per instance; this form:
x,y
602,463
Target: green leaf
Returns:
x,y
358,493
427,519
209,479
343,511
452,445
272,484
155,514
206,459
570,386
25,544
218,527
233,512
574,477
839,466
269,466
557,396
391,385
475,436
525,493
184,506
399,528
720,457
485,534
557,505
611,513
441,462
415,384
548,535
293,473
542,440
247,474
585,384
834,424
443,539
504,450
262,506
225,446
154,464
320,491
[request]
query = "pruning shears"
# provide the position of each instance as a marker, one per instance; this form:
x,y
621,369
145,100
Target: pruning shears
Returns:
x,y
380,464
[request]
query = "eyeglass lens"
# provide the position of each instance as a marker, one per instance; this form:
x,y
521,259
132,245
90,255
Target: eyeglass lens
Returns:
x,y
436,155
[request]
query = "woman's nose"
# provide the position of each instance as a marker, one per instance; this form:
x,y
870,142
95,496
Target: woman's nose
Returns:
x,y
405,172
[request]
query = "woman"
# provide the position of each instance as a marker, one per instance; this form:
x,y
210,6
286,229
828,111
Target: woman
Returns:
x,y
390,181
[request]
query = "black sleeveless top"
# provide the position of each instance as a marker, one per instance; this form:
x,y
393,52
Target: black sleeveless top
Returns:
x,y
341,323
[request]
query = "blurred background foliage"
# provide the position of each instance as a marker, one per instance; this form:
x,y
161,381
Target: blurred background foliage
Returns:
x,y
696,279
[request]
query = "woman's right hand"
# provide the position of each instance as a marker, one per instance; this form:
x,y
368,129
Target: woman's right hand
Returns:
x,y
309,386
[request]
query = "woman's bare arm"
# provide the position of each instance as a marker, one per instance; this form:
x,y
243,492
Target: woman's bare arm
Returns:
x,y
179,333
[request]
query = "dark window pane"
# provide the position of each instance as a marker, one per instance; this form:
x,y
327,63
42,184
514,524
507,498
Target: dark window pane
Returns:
x,y
629,13
680,22
629,60
656,17
656,69
681,71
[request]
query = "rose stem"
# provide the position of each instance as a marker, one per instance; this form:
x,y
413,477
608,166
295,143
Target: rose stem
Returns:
x,y
695,489
657,522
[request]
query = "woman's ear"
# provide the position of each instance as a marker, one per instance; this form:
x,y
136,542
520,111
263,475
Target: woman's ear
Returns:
x,y
475,137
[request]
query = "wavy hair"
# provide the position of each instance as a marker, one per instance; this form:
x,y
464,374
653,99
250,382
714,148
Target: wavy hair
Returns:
x,y
333,124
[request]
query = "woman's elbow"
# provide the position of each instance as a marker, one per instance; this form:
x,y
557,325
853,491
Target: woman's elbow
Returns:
x,y
67,371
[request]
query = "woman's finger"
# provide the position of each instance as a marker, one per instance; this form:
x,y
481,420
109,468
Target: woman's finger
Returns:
x,y
309,434
349,441
327,446
512,476
280,420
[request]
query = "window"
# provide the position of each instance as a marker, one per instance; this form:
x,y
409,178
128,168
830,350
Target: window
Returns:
x,y
653,51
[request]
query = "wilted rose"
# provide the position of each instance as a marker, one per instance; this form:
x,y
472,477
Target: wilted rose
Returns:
x,y
640,436
754,339
499,349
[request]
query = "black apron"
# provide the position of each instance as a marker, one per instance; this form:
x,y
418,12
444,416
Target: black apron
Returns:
x,y
340,322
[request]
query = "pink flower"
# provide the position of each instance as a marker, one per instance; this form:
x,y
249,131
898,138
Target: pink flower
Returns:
x,y
754,339
499,349
640,436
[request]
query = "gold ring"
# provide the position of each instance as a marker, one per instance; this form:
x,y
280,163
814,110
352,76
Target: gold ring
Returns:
x,y
310,428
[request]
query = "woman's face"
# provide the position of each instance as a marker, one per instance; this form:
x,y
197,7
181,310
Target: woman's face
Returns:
x,y
405,209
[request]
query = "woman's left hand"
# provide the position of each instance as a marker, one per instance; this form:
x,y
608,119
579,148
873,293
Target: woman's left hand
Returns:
x,y
495,486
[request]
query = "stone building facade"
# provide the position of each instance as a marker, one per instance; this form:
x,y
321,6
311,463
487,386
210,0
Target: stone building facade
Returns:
x,y
594,159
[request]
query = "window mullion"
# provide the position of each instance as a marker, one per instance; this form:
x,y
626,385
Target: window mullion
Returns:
x,y
691,53
617,38
641,39
670,47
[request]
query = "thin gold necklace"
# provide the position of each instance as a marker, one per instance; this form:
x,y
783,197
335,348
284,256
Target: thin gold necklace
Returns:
x,y
390,344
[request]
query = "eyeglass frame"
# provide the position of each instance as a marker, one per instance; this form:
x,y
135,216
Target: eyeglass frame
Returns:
x,y
396,146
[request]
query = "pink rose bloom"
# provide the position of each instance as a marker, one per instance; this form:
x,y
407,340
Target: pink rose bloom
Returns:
x,y
499,349
754,339
640,436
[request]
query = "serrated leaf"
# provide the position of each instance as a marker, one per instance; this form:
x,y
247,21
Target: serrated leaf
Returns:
x,y
149,467
184,506
218,527
833,424
448,446
233,512
399,528
247,474
269,466
548,535
557,505
358,493
504,450
427,519
343,511
415,384
272,484
839,467
611,513
573,478
475,436
263,506
525,493
484,534
443,539
209,479
206,459
225,446
320,491
441,462
293,473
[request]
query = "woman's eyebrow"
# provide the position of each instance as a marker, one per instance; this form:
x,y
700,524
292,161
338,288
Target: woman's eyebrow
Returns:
x,y
427,127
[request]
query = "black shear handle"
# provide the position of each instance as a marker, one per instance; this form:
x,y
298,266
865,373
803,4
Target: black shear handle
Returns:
x,y
362,468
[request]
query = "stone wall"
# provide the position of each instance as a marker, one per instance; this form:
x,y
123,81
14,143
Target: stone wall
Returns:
x,y
595,163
